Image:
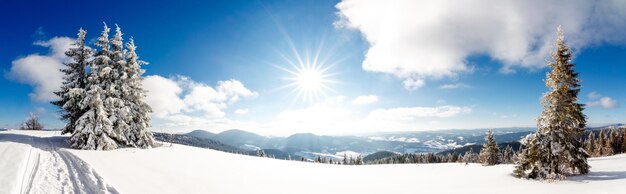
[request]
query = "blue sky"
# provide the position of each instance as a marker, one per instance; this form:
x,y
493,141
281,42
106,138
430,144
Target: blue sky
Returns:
x,y
392,65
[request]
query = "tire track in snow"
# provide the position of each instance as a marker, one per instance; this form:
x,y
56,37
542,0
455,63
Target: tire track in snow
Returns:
x,y
59,171
24,184
83,177
33,173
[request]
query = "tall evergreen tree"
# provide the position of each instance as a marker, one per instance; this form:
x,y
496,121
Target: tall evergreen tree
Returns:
x,y
608,147
470,156
600,150
134,95
119,111
554,151
359,160
489,152
623,140
94,130
507,155
74,78
617,141
590,144
260,153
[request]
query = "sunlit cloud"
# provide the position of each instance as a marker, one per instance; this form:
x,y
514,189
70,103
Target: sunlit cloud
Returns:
x,y
421,40
362,100
181,102
42,71
598,100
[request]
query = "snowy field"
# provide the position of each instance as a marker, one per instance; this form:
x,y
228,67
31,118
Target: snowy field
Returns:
x,y
39,162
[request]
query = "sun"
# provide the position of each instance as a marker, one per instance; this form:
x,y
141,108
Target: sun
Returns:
x,y
310,81
309,73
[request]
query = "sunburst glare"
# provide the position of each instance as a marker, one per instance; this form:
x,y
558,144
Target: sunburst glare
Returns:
x,y
309,77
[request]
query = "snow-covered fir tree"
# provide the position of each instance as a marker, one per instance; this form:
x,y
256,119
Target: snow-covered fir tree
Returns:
x,y
608,146
94,130
470,156
119,112
112,98
507,155
134,95
489,152
554,151
74,78
600,150
623,146
260,153
359,160
590,144
617,141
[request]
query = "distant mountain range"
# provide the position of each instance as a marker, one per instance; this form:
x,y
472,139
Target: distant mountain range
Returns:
x,y
196,142
379,145
311,145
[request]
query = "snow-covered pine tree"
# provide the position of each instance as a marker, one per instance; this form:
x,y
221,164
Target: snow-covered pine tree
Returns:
x,y
600,151
590,144
623,140
94,130
469,156
608,147
554,151
617,142
133,95
74,77
507,155
623,136
489,152
260,153
115,82
359,160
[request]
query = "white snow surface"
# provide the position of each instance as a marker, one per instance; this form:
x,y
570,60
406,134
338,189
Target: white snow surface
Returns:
x,y
39,162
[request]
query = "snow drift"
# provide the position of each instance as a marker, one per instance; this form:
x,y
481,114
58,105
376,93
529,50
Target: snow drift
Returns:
x,y
183,169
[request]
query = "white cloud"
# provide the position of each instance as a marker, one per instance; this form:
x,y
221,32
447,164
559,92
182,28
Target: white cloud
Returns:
x,y
598,100
321,118
336,119
42,71
362,100
242,111
410,113
182,102
231,90
607,102
163,95
454,86
314,114
593,95
604,102
413,84
204,98
417,40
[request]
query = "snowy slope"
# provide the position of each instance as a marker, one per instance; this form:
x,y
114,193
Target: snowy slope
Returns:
x,y
183,169
36,162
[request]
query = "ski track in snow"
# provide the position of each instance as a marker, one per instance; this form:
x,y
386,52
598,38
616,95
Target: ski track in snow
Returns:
x,y
48,169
